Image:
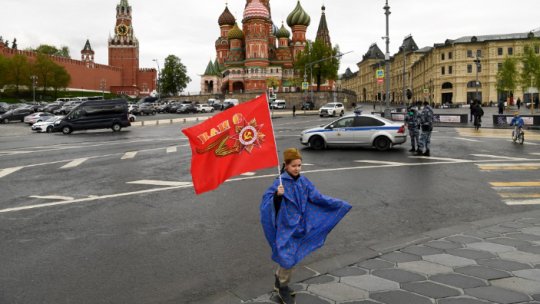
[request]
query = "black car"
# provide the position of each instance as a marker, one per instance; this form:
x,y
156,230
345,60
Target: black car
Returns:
x,y
144,109
95,114
17,114
308,105
3,107
51,107
186,108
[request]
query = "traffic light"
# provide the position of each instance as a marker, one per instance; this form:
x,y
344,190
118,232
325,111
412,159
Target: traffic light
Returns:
x,y
409,94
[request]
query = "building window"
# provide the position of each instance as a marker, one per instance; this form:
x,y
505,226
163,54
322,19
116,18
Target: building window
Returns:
x,y
479,68
469,68
450,55
469,53
499,66
510,51
500,51
450,70
442,70
442,56
478,53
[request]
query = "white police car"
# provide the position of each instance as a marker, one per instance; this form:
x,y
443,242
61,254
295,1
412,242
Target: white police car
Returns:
x,y
356,130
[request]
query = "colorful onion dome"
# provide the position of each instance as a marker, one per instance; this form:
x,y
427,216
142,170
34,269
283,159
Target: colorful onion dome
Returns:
x,y
236,33
298,16
256,9
226,18
283,32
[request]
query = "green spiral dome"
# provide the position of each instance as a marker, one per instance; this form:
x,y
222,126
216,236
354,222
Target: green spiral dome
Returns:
x,y
298,16
283,32
236,33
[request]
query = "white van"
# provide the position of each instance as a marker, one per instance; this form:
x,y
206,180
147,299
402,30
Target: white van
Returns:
x,y
278,104
232,101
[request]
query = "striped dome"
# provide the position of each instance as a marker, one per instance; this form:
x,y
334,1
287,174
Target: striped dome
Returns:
x,y
298,16
256,10
226,18
236,33
283,32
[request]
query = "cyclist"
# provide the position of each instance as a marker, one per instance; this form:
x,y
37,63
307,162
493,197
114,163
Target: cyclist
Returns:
x,y
518,122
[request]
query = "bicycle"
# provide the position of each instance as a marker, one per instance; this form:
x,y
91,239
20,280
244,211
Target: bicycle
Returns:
x,y
518,135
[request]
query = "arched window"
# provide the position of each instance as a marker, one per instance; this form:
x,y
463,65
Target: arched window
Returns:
x,y
447,85
474,84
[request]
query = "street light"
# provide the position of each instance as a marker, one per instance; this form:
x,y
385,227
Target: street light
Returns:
x,y
478,65
34,83
158,80
387,55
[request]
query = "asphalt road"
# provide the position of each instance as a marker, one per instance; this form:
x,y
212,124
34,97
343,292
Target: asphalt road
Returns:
x,y
102,217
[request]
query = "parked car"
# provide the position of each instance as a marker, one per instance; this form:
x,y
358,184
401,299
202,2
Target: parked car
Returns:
x,y
67,107
16,114
51,107
3,107
307,105
204,108
95,114
356,130
37,117
332,109
278,104
144,109
46,125
186,108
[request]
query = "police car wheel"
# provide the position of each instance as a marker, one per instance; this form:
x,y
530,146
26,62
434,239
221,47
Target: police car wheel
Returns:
x,y
382,143
316,143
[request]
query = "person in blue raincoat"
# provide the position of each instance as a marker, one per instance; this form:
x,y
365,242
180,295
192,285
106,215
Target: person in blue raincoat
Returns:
x,y
296,219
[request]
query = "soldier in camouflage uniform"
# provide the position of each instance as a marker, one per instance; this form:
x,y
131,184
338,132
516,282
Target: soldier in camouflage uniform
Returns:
x,y
426,125
412,120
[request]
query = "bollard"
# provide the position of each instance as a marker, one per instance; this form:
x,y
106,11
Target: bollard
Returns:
x,y
157,122
142,123
170,121
184,120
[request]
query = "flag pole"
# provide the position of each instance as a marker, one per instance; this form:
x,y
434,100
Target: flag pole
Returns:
x,y
275,143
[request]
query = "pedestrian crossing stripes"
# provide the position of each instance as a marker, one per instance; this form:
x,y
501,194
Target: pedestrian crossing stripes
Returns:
x,y
129,155
171,149
8,171
74,163
509,166
160,183
495,133
498,157
518,193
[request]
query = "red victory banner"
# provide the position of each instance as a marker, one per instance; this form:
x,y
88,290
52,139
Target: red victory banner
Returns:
x,y
233,142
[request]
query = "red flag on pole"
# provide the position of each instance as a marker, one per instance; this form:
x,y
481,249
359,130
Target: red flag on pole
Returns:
x,y
233,142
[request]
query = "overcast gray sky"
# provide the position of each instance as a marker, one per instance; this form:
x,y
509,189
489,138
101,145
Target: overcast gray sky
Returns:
x,y
188,29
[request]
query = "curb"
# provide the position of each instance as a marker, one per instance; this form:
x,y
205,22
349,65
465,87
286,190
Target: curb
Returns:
x,y
255,288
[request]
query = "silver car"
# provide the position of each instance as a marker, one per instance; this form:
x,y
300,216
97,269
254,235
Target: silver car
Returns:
x,y
356,130
47,125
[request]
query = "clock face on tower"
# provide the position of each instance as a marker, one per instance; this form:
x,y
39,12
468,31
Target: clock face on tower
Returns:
x,y
122,30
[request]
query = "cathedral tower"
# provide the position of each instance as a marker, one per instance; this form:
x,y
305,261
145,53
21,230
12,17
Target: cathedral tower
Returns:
x,y
323,34
124,47
299,21
87,54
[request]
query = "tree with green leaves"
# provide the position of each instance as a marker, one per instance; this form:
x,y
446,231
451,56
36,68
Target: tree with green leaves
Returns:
x,y
173,79
320,59
3,70
18,72
507,76
59,79
52,50
44,68
530,74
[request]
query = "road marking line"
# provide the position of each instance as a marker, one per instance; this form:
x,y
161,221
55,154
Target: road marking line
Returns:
x,y
499,157
380,162
498,189
7,171
160,183
307,164
467,139
515,184
520,195
54,197
508,167
523,202
129,155
453,160
248,174
74,163
534,153
171,149
7,152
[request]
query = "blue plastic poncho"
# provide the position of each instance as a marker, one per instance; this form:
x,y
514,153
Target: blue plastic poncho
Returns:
x,y
304,219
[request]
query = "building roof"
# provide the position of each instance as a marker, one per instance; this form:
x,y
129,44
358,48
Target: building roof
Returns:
x,y
374,52
298,16
408,45
256,9
236,33
226,18
485,38
87,46
323,34
210,70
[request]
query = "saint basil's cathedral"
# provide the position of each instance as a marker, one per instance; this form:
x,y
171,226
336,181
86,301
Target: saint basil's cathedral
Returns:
x,y
247,57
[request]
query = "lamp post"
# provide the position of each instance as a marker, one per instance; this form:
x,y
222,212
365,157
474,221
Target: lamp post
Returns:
x,y
34,83
387,55
158,80
478,65
102,85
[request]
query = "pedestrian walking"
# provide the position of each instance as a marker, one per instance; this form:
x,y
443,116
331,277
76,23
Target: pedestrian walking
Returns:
x,y
471,108
294,111
478,113
501,106
536,103
296,219
518,103
426,125
412,120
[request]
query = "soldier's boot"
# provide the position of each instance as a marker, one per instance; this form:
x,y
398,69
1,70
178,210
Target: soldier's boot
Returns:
x,y
419,152
285,293
412,150
426,153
